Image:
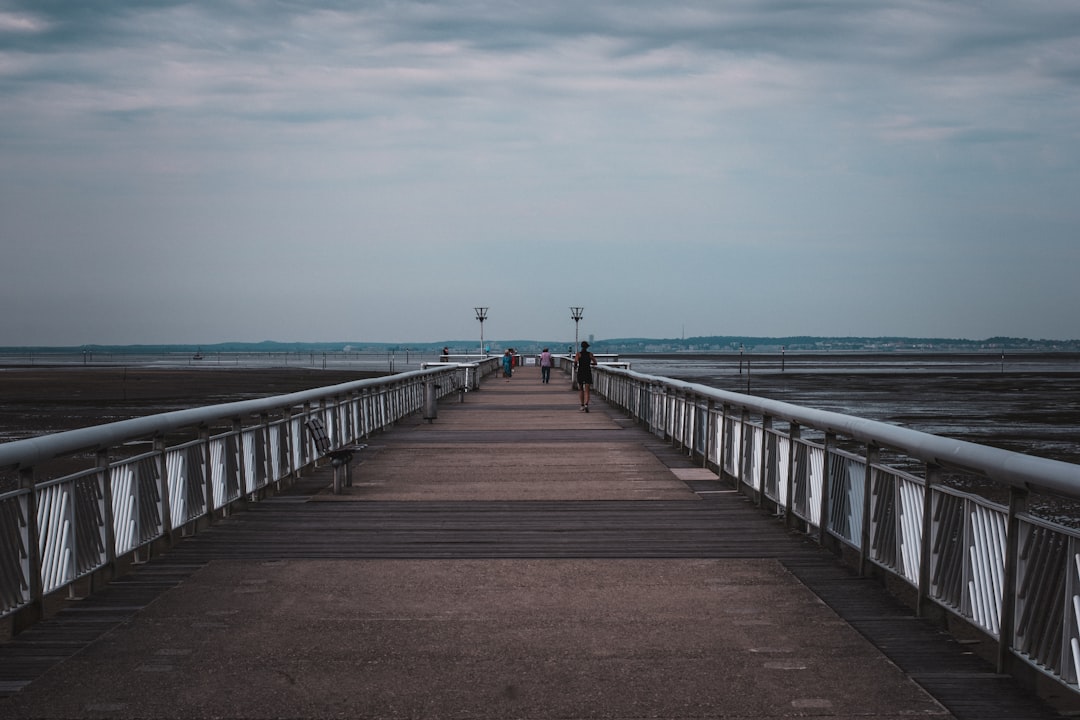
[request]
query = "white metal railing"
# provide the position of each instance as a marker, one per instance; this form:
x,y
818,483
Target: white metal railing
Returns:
x,y
1011,574
55,531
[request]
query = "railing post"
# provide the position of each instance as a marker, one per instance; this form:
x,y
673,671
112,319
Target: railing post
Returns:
x,y
926,546
1018,505
362,409
669,416
826,490
235,462
650,412
659,409
763,460
689,408
710,433
794,432
721,439
678,428
163,480
348,407
267,450
644,404
290,445
33,543
239,465
108,518
873,454
208,474
744,429
306,443
703,411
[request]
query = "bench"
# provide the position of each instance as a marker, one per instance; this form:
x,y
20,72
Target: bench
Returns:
x,y
340,457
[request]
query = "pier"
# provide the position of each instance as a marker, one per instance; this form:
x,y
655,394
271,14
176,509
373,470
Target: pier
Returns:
x,y
514,557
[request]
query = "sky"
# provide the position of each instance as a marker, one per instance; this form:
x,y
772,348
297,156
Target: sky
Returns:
x,y
247,170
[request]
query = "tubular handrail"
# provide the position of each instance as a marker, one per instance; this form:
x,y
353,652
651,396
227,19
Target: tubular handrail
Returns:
x,y
33,451
1003,466
1005,571
116,500
959,551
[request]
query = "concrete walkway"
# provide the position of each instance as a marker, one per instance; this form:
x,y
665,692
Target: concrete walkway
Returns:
x,y
516,558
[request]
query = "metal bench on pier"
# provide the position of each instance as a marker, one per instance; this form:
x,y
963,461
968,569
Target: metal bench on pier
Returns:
x,y
340,457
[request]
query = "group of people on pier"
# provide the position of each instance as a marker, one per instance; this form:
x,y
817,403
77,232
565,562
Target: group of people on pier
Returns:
x,y
583,365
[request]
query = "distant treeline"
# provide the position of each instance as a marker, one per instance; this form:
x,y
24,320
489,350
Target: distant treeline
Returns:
x,y
726,343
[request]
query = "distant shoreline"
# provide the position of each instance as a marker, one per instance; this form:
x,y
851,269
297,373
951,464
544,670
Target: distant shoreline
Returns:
x,y
708,345
821,355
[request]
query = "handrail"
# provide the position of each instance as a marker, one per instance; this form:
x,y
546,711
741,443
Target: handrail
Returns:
x,y
959,551
112,503
33,451
1003,466
1006,572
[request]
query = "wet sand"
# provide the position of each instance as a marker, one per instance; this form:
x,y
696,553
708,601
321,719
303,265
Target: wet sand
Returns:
x,y
40,400
1028,404
1037,412
1032,412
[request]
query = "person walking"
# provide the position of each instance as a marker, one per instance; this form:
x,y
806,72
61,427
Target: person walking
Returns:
x,y
584,363
508,364
545,366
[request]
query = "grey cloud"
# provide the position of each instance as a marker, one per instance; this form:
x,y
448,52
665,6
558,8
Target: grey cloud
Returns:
x,y
885,33
67,25
741,138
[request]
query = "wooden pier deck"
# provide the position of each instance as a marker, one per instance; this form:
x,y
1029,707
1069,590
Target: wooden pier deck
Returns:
x,y
514,558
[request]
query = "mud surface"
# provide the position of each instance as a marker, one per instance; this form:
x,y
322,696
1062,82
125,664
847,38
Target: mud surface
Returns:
x,y
37,401
1029,405
1034,409
1033,414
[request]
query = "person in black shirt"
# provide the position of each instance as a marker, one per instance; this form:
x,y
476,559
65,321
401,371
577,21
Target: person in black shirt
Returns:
x,y
584,364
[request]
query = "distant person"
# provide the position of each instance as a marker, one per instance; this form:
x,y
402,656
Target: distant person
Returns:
x,y
584,362
545,366
446,354
508,364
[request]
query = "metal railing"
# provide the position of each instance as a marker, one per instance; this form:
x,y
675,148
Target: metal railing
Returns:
x,y
143,479
877,489
888,495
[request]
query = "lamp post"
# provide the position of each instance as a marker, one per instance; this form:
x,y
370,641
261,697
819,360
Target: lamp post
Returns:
x,y
575,315
481,315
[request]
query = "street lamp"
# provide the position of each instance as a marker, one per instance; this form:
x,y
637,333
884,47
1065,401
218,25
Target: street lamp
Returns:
x,y
481,315
575,315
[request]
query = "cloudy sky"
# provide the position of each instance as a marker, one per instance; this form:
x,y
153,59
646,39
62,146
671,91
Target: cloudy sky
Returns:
x,y
372,171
